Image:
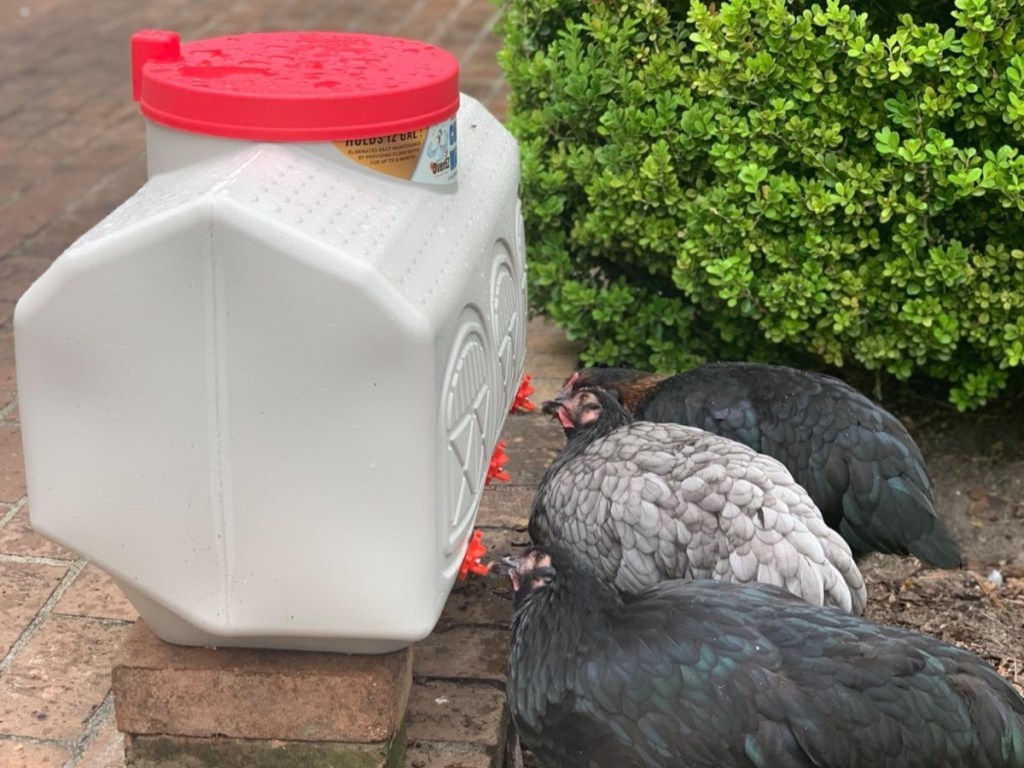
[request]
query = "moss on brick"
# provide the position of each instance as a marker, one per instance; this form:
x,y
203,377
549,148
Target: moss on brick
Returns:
x,y
181,752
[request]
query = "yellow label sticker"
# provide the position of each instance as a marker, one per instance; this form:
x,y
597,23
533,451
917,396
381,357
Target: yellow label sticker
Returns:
x,y
425,155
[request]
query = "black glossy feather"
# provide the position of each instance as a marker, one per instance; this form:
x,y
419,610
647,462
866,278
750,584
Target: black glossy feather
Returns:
x,y
719,675
857,461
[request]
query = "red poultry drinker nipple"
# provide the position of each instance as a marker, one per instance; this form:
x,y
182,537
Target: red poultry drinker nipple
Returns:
x,y
300,338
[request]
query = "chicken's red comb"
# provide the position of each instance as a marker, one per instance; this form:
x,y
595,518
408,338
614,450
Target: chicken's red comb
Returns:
x,y
471,562
522,398
496,471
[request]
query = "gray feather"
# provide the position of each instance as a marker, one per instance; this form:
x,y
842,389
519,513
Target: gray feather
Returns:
x,y
649,502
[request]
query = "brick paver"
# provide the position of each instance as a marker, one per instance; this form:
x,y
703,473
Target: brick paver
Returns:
x,y
59,678
17,539
27,754
105,747
450,712
93,593
12,470
169,689
72,149
24,589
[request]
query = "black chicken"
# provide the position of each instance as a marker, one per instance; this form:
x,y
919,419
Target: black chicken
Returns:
x,y
861,467
709,674
643,502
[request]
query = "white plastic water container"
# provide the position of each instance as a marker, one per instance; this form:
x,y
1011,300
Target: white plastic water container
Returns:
x,y
263,393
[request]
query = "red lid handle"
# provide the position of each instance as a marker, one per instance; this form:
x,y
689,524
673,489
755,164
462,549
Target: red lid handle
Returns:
x,y
151,44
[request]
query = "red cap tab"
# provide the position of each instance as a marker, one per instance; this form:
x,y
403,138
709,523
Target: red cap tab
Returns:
x,y
151,44
293,86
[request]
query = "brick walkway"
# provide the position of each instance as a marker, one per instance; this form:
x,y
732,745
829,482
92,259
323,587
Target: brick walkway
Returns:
x,y
71,149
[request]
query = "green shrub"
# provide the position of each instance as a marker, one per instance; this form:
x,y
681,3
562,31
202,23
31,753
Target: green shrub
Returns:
x,y
883,15
771,181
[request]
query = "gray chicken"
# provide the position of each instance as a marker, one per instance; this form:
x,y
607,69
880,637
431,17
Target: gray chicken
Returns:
x,y
855,459
642,503
713,675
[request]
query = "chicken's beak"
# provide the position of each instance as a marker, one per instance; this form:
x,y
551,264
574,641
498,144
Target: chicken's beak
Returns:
x,y
560,410
509,566
550,407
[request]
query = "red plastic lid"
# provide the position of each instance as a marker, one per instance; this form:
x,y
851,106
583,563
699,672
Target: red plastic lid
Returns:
x,y
293,86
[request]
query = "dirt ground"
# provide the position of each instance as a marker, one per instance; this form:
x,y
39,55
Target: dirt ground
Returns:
x,y
977,463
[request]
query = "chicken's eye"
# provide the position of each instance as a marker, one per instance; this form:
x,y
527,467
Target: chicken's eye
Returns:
x,y
541,577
